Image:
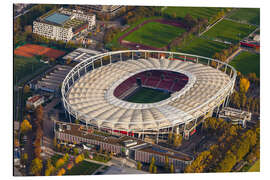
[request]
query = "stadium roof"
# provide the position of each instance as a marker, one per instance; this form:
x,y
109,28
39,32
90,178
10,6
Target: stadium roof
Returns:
x,y
92,95
57,18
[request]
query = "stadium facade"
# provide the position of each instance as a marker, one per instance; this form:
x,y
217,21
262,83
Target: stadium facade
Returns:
x,y
89,92
63,24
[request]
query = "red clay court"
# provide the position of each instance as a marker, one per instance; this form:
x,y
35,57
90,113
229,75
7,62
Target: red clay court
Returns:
x,y
30,50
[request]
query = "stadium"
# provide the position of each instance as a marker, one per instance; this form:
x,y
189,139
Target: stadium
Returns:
x,y
146,93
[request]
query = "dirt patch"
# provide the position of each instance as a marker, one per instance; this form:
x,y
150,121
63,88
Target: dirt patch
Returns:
x,y
30,50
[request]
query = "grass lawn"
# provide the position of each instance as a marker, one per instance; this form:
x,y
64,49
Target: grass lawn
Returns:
x,y
155,34
229,31
203,47
195,12
255,167
24,67
83,168
247,62
147,95
249,15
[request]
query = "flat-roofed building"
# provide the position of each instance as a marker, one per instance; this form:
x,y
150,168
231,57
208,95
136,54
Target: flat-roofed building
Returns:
x,y
63,24
35,101
130,147
80,54
236,116
51,80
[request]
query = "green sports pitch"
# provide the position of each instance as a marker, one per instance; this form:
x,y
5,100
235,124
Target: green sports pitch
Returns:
x,y
228,30
155,34
247,62
247,15
195,12
147,95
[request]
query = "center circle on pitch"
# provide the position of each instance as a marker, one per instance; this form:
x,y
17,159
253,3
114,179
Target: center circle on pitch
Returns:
x,y
150,86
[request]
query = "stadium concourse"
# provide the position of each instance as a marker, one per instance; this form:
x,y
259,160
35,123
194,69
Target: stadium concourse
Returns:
x,y
197,87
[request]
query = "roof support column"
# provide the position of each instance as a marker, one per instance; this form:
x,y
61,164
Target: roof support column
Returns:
x,y
132,55
208,62
110,59
121,57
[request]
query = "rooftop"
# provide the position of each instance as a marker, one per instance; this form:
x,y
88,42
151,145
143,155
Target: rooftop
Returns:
x,y
33,99
57,18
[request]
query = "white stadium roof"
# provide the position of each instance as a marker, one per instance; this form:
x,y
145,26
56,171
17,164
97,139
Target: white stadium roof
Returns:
x,y
92,95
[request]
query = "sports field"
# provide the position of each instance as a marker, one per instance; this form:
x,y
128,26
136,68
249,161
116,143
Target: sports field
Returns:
x,y
203,47
147,95
24,67
155,34
255,167
247,62
83,168
248,15
195,12
230,31
30,50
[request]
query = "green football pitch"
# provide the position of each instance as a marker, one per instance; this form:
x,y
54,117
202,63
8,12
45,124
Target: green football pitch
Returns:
x,y
195,12
229,31
248,15
155,34
147,95
247,62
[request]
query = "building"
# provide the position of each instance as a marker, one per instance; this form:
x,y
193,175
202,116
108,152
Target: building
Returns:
x,y
51,80
129,147
110,9
63,24
80,54
236,116
81,15
35,101
93,91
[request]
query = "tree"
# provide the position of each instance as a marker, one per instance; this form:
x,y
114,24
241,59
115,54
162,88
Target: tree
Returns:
x,y
70,165
25,126
227,163
170,137
171,168
244,85
61,172
26,89
36,166
49,168
79,158
155,170
166,162
37,151
139,165
24,158
59,163
177,140
75,151
68,61
66,157
150,168
39,113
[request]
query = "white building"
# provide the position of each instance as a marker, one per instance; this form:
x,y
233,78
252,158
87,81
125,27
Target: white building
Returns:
x,y
236,116
35,101
63,24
